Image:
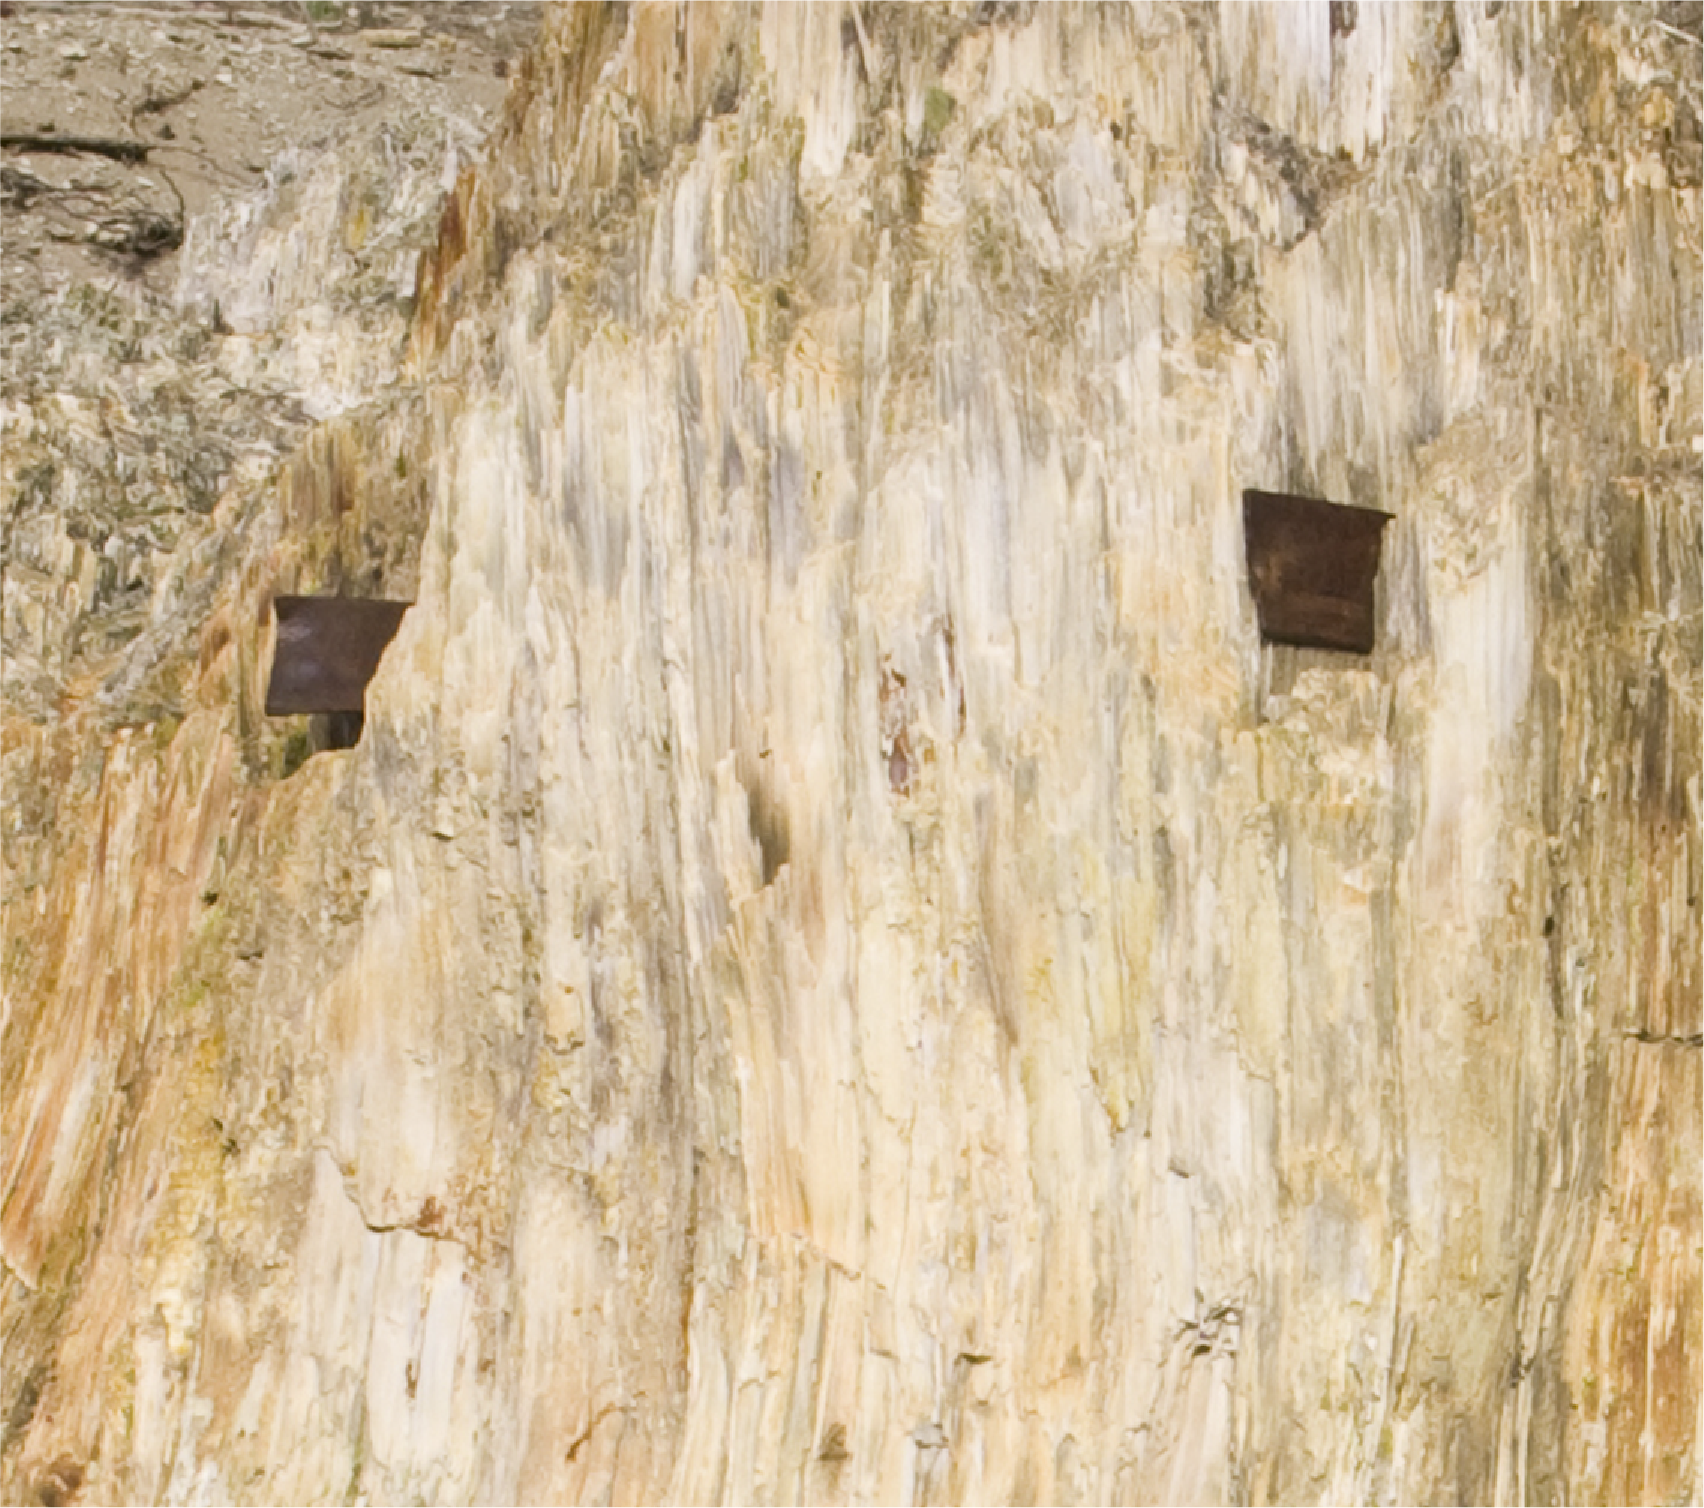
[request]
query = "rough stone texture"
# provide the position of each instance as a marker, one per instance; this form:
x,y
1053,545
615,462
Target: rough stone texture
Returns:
x,y
841,969
138,390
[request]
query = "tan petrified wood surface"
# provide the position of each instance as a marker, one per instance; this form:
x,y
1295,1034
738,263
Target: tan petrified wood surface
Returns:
x,y
841,970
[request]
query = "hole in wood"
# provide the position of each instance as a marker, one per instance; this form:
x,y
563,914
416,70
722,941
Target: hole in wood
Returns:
x,y
337,730
328,649
1311,568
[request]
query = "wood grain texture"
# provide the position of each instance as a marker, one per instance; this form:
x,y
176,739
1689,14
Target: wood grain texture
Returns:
x,y
836,972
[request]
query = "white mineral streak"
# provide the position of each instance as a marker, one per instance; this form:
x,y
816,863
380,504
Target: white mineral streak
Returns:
x,y
840,968
305,276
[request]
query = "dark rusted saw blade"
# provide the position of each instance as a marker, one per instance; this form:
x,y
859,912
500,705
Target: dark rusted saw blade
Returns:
x,y
1311,567
327,650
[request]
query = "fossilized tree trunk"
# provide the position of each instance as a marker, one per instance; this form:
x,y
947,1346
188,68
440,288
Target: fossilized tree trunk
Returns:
x,y
841,969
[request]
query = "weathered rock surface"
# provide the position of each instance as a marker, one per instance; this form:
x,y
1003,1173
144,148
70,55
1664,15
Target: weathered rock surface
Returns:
x,y
840,968
139,389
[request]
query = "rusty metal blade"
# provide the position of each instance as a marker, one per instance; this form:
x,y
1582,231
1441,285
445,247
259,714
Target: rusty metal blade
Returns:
x,y
1311,568
327,650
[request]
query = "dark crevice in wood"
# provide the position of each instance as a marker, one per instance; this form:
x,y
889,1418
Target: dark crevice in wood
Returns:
x,y
114,147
